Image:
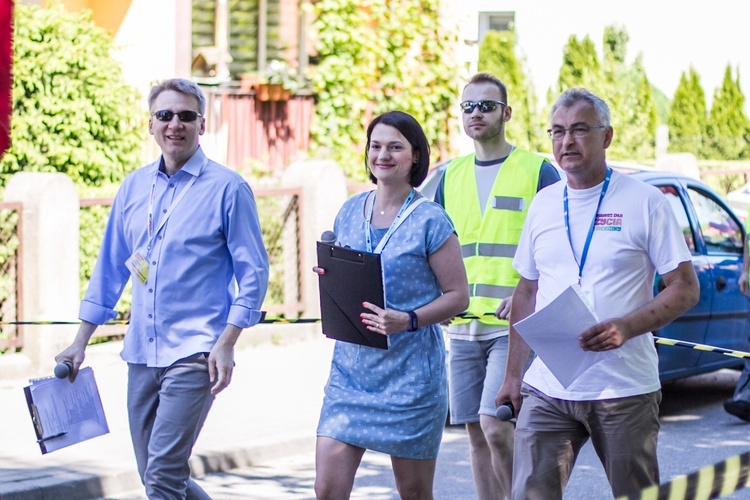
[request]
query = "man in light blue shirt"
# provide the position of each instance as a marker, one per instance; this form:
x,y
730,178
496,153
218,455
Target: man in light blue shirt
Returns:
x,y
186,230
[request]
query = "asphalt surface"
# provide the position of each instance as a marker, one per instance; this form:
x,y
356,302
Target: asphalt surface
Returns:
x,y
269,411
258,441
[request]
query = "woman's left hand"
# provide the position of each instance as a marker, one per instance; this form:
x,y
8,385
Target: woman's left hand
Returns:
x,y
384,321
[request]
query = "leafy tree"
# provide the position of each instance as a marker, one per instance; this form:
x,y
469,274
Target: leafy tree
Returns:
x,y
727,123
687,115
580,66
497,55
624,87
72,111
662,103
375,58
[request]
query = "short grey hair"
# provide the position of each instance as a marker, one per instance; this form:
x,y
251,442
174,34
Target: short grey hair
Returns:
x,y
572,96
182,86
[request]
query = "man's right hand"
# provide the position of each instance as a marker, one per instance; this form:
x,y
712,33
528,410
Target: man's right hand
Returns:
x,y
503,310
510,392
73,354
76,352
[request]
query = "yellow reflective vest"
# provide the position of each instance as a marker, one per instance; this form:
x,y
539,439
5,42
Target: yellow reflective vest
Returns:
x,y
489,242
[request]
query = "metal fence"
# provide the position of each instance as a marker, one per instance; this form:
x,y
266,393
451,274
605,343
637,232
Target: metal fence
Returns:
x,y
280,217
11,306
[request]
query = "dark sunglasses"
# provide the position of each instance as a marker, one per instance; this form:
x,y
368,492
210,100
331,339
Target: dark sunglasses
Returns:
x,y
165,115
484,106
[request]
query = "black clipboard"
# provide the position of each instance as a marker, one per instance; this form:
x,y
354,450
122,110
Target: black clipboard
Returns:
x,y
349,278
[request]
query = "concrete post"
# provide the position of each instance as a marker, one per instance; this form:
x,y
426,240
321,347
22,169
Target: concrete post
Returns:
x,y
49,250
323,192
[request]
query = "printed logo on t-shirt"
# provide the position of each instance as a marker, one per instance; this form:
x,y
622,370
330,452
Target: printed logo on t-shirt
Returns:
x,y
608,222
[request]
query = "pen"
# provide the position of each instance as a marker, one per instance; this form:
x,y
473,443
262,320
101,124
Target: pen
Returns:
x,y
61,434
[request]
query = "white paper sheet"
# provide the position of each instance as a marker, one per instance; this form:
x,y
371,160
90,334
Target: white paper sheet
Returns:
x,y
73,410
552,333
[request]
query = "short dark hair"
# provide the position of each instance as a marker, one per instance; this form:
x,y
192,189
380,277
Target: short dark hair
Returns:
x,y
490,78
412,131
182,86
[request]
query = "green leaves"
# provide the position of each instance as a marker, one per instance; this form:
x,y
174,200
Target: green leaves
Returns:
x,y
72,110
624,87
376,56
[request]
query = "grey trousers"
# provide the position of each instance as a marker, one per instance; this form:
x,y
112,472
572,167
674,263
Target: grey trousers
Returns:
x,y
550,432
167,408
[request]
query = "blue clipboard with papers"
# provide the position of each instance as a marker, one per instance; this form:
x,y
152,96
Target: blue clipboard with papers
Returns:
x,y
63,412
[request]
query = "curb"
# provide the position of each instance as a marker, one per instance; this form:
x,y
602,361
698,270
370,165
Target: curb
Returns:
x,y
80,486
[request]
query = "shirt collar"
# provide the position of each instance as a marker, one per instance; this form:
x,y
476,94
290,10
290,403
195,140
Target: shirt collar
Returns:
x,y
193,166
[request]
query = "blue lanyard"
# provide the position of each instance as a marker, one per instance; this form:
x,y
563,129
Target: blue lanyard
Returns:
x,y
593,223
396,222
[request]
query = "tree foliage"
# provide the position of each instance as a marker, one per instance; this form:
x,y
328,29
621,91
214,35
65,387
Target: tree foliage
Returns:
x,y
624,87
374,57
72,111
580,65
687,116
497,55
728,126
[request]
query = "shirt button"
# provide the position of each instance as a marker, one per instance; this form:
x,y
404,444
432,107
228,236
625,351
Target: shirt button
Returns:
x,y
153,262
150,290
171,184
159,236
164,211
151,340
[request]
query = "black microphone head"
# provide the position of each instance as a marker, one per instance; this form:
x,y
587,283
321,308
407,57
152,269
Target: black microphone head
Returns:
x,y
328,237
505,412
62,370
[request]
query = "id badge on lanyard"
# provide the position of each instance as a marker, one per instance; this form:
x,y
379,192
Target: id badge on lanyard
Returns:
x,y
137,264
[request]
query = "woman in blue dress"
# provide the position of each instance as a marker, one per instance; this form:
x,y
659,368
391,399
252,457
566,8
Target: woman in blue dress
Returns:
x,y
394,401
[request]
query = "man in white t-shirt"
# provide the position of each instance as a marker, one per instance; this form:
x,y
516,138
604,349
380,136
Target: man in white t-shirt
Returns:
x,y
605,234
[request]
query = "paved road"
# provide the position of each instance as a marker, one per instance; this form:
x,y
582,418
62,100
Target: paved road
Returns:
x,y
695,432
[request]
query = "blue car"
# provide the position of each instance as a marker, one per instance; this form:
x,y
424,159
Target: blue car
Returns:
x,y
715,237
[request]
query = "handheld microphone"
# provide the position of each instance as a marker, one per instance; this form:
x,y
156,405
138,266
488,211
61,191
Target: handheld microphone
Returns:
x,y
328,237
62,370
505,412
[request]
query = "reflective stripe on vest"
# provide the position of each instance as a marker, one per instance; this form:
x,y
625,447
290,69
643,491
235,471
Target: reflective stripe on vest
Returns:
x,y
489,241
488,250
491,291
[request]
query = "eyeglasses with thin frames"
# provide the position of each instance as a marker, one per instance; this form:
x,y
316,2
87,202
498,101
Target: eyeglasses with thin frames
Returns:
x,y
578,131
165,115
484,106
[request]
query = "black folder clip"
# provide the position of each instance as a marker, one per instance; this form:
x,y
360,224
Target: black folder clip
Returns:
x,y
350,278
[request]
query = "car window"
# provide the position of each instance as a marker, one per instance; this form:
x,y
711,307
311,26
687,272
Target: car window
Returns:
x,y
721,231
675,202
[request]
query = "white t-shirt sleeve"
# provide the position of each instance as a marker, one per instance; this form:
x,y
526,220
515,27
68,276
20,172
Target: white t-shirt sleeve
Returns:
x,y
523,261
666,242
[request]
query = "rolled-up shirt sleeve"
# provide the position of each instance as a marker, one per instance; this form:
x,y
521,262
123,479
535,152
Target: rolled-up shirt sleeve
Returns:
x,y
249,258
110,273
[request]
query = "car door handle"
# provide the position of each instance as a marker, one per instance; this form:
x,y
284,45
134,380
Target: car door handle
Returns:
x,y
721,283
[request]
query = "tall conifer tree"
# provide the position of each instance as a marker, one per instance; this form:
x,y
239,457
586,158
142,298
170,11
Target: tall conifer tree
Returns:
x,y
727,123
687,116
497,55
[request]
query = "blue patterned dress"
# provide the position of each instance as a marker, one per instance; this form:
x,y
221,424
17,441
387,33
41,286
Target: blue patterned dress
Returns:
x,y
393,401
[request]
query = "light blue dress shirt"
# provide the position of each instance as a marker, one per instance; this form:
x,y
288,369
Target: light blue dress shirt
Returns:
x,y
207,263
